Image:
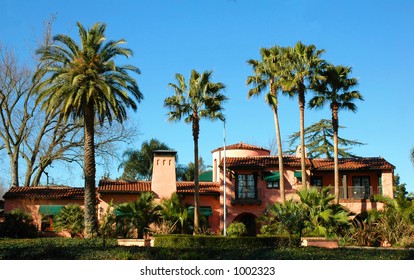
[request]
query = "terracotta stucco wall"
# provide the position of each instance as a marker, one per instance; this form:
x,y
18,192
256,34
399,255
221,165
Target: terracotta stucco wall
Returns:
x,y
31,206
207,200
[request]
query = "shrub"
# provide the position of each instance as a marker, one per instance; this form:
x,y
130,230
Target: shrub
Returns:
x,y
134,218
236,229
70,218
18,224
221,242
287,218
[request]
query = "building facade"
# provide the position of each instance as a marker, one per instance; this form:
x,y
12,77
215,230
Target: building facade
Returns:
x,y
248,174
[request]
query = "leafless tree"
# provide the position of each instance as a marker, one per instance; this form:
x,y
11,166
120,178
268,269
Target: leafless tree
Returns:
x,y
39,138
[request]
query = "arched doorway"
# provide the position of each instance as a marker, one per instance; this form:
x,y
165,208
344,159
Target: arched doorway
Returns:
x,y
249,220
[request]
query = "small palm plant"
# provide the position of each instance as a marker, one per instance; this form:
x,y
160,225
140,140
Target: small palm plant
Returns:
x,y
137,215
173,213
284,218
322,216
71,219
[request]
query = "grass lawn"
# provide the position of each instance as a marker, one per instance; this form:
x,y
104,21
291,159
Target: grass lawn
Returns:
x,y
82,249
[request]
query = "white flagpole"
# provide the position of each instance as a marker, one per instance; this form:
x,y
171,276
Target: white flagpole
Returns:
x,y
224,185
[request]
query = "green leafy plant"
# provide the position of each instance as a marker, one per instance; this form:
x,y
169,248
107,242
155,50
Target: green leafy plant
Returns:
x,y
172,213
71,219
137,216
107,223
236,229
18,224
322,217
283,218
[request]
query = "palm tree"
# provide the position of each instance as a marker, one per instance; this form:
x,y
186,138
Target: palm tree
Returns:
x,y
337,90
266,76
201,98
301,69
84,82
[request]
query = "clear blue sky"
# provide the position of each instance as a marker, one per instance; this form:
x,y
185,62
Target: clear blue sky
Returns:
x,y
375,38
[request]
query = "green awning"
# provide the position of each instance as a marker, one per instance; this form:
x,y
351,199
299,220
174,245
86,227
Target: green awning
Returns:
x,y
271,176
46,210
298,174
204,210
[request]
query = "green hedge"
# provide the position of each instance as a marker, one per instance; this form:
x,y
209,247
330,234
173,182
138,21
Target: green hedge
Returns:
x,y
221,242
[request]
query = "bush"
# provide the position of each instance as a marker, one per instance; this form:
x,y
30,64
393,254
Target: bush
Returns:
x,y
18,224
221,242
236,229
71,219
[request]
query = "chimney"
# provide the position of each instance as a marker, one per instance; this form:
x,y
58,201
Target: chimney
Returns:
x,y
163,173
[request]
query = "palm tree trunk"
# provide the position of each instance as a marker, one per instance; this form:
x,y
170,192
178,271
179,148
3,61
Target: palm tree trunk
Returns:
x,y
196,131
335,125
302,136
89,169
280,155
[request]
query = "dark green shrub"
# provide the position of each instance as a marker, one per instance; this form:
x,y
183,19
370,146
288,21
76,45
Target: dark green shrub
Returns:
x,y
221,242
136,216
18,224
236,229
70,218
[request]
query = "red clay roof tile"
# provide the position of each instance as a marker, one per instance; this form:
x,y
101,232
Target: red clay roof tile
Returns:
x,y
261,162
49,192
122,186
204,187
369,163
241,146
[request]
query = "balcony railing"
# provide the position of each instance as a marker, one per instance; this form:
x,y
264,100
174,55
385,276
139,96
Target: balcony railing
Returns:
x,y
356,192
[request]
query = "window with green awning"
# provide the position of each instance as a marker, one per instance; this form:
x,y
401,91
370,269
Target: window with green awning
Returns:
x,y
271,176
204,210
46,210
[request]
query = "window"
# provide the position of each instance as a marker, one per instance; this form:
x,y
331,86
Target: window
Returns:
x,y
246,186
47,223
361,187
273,184
272,179
316,181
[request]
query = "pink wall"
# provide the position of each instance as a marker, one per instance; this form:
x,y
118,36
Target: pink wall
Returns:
x,y
207,200
163,174
31,206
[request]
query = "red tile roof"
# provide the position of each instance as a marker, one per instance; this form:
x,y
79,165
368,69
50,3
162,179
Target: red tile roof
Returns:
x,y
49,192
261,162
241,146
122,186
204,187
370,163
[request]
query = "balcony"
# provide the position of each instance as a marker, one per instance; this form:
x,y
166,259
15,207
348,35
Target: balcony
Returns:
x,y
356,192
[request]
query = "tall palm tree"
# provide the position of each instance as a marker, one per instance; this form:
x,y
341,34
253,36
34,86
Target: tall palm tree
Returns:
x,y
84,82
201,98
301,69
266,76
336,89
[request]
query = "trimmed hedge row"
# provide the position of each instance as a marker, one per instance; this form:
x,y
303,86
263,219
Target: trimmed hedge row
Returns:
x,y
221,242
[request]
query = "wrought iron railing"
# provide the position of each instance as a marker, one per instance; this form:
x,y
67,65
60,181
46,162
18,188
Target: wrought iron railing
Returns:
x,y
355,192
